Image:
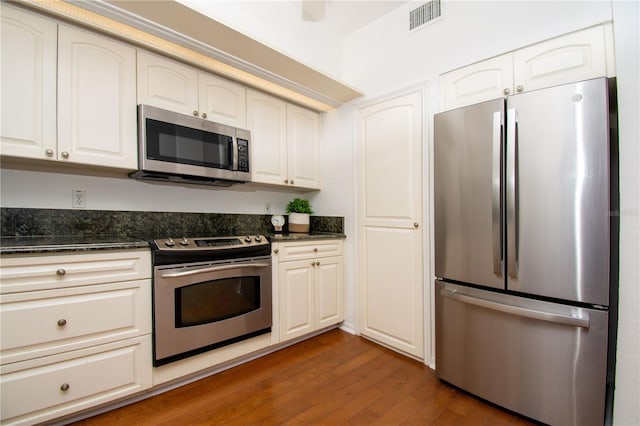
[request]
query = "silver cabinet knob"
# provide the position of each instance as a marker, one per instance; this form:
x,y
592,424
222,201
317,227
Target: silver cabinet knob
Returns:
x,y
315,250
61,272
195,113
204,115
519,88
275,251
291,181
49,152
318,263
64,154
62,322
506,91
416,225
286,181
64,387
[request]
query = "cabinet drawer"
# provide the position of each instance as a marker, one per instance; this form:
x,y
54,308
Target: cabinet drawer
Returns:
x,y
307,250
29,273
41,323
50,387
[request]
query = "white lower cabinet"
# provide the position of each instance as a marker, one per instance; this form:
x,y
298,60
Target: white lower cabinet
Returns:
x,y
57,385
310,286
66,346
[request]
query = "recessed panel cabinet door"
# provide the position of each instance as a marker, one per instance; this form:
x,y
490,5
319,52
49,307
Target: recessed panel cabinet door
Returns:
x,y
96,100
267,121
296,298
167,84
28,126
303,139
390,215
222,101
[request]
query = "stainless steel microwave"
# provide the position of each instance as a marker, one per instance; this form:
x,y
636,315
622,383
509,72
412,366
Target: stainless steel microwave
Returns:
x,y
179,148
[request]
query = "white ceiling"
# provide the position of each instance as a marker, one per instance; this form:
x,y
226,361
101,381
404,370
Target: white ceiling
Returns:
x,y
346,16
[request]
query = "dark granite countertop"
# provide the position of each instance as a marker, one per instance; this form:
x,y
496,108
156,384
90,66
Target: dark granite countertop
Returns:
x,y
68,243
76,243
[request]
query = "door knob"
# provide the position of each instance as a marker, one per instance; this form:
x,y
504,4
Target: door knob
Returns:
x,y
416,225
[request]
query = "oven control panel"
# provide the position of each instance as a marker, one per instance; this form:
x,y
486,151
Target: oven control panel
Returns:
x,y
210,243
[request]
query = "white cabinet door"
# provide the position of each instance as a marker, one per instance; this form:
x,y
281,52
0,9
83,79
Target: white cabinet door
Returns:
x,y
573,57
578,56
303,142
267,120
329,298
490,79
167,84
296,301
390,213
96,100
222,101
28,79
45,388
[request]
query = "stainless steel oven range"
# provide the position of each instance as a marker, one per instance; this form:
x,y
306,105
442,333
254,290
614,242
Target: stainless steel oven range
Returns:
x,y
209,292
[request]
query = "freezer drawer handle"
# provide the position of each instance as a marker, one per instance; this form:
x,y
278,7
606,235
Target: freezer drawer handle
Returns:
x,y
582,321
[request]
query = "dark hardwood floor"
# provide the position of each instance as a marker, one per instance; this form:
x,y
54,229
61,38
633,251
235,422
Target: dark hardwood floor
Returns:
x,y
331,379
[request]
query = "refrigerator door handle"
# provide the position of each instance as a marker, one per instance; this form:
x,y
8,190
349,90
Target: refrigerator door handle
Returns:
x,y
496,217
512,193
576,321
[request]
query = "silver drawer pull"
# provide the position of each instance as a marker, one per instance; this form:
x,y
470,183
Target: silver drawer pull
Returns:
x,y
61,272
62,322
64,387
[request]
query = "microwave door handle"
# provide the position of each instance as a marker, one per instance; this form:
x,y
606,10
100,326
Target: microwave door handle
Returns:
x,y
234,151
213,269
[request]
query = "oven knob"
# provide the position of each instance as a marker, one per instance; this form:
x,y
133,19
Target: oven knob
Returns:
x,y
169,243
184,241
247,239
258,238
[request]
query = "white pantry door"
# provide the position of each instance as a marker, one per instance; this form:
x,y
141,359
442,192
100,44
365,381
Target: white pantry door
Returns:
x,y
390,213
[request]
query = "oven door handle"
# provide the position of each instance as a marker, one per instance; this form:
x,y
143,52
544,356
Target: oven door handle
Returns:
x,y
214,269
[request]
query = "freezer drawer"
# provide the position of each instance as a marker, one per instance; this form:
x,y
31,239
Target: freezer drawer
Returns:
x,y
542,360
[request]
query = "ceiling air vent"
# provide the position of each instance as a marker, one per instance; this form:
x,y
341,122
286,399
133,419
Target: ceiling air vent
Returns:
x,y
425,13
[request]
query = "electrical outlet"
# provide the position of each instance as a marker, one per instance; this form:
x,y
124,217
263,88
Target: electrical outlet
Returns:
x,y
78,199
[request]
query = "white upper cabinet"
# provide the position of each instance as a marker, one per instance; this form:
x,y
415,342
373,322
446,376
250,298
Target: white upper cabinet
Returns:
x,y
267,121
303,142
573,57
479,82
285,142
578,56
28,79
170,85
96,100
222,101
167,84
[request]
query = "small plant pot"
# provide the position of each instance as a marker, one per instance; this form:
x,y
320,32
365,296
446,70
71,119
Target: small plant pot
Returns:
x,y
299,222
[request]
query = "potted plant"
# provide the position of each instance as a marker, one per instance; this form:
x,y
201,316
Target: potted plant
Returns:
x,y
299,210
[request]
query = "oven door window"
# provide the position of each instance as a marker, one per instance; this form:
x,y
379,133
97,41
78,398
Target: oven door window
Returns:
x,y
212,301
179,144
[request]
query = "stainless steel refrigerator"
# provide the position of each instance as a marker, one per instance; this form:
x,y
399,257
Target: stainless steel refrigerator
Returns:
x,y
525,251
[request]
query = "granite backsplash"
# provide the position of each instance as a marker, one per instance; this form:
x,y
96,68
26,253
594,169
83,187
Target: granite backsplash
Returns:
x,y
19,222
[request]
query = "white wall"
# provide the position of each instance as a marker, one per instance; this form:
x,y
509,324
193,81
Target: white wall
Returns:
x,y
38,189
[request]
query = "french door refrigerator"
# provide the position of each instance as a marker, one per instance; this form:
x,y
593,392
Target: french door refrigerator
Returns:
x,y
525,243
